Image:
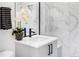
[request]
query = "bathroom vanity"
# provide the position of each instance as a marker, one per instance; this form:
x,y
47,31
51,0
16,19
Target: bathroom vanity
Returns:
x,y
36,46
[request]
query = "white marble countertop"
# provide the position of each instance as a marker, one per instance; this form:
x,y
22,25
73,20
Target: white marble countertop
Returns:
x,y
37,41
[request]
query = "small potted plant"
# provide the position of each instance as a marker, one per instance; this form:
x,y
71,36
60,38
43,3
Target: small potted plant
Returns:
x,y
18,33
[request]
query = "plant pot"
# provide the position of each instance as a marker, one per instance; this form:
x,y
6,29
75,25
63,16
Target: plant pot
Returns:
x,y
19,36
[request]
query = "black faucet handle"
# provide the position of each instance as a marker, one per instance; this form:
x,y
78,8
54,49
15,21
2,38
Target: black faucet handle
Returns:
x,y
30,29
30,32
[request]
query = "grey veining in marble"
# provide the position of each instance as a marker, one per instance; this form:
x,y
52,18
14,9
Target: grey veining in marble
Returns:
x,y
62,20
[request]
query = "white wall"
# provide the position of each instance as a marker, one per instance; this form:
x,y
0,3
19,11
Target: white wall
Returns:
x,y
6,39
62,20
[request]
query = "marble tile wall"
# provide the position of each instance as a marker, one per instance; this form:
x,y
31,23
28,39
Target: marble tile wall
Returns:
x,y
61,19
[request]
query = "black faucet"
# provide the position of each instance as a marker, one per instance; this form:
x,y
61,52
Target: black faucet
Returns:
x,y
30,32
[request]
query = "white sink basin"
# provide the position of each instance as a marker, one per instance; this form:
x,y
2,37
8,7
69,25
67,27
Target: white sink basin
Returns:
x,y
37,40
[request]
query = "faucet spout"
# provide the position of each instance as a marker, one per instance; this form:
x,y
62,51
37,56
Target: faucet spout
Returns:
x,y
30,32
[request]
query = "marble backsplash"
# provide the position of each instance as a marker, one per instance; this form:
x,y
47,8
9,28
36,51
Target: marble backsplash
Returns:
x,y
61,19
